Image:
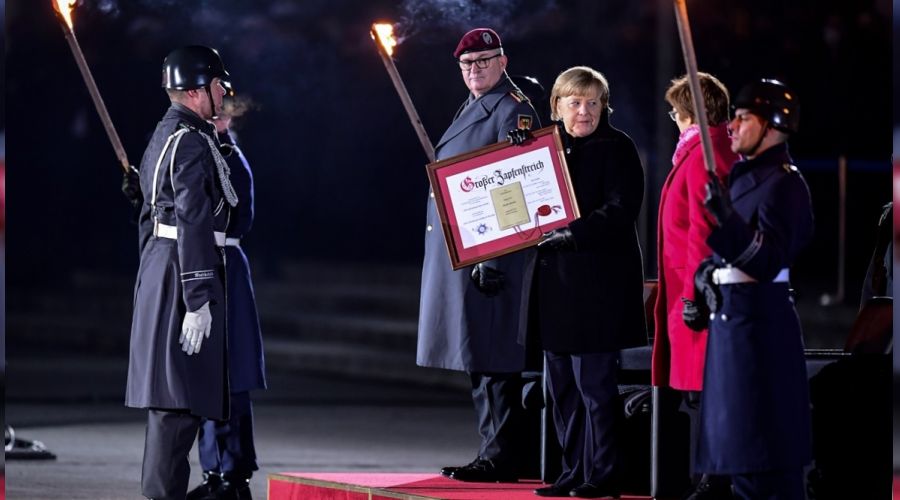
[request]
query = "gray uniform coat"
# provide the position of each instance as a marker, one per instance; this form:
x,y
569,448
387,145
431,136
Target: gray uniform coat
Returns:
x,y
459,327
180,275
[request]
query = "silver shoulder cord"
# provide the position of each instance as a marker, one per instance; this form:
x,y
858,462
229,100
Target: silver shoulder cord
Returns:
x,y
177,137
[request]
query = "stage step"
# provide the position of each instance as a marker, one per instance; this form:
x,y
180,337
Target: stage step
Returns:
x,y
405,486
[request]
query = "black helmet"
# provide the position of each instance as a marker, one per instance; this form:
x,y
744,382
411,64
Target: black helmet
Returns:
x,y
192,67
530,86
773,101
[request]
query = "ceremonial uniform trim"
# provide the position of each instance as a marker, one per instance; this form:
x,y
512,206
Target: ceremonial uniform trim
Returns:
x,y
750,251
205,274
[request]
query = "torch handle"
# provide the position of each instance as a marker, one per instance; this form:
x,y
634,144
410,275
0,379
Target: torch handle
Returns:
x,y
690,60
407,101
98,100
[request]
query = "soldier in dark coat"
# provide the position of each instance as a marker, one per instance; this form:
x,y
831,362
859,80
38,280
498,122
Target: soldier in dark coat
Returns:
x,y
588,300
177,363
468,319
226,447
754,412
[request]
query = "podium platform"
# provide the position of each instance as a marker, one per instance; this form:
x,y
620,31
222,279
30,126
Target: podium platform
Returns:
x,y
384,486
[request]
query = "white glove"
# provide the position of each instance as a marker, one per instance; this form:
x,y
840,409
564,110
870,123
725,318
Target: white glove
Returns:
x,y
194,328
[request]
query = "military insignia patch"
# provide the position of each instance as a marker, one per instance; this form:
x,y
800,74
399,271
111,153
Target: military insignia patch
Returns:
x,y
524,122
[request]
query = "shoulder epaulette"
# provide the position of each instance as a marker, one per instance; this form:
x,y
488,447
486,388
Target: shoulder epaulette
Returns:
x,y
518,95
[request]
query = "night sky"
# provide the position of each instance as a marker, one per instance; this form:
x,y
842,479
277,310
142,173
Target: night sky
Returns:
x,y
339,172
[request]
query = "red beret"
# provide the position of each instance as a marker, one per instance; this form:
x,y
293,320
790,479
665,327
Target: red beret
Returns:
x,y
477,40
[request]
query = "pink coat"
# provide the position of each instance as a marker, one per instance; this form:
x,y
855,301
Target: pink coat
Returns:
x,y
679,353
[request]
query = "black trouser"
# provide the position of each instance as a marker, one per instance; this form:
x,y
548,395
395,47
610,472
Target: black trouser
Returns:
x,y
586,414
226,446
166,471
770,485
498,407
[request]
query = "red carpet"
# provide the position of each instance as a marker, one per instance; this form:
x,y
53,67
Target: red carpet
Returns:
x,y
384,486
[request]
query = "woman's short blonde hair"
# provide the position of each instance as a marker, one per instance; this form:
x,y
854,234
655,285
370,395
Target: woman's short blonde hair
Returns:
x,y
579,80
715,98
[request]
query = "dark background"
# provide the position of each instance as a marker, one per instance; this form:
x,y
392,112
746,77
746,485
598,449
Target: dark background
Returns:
x,y
339,172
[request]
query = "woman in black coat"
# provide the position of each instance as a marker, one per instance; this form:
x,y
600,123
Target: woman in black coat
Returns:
x,y
587,298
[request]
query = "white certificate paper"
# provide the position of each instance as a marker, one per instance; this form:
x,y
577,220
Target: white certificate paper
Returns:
x,y
487,201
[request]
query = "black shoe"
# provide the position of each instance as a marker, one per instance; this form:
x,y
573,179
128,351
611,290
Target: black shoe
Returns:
x,y
449,470
207,489
484,471
712,488
234,487
553,491
588,490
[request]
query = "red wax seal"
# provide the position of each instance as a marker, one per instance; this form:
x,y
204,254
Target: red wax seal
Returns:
x,y
544,210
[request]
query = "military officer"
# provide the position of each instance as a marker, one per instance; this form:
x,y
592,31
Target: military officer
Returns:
x,y
469,319
754,412
177,367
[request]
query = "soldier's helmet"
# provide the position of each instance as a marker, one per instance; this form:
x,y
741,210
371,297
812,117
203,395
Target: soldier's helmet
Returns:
x,y
192,67
772,101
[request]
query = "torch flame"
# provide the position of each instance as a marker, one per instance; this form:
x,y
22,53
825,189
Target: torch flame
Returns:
x,y
385,34
64,8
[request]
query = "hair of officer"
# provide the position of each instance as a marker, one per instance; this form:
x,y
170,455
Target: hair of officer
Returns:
x,y
175,95
715,97
579,80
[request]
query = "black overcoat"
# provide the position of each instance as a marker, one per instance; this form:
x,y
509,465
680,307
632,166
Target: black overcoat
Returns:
x,y
755,402
179,275
590,299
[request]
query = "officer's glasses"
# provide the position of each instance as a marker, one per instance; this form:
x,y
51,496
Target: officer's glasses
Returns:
x,y
482,63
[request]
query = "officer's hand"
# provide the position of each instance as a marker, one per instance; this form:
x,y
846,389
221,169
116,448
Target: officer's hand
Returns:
x,y
558,239
195,327
704,286
488,280
718,201
695,315
131,186
518,136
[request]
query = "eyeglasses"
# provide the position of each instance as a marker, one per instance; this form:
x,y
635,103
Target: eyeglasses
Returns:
x,y
673,114
482,63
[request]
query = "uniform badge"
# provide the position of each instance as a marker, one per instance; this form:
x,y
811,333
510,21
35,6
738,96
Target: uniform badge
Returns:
x,y
487,37
524,122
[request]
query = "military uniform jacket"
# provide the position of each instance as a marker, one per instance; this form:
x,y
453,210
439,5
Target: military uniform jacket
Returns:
x,y
180,275
591,299
679,353
755,400
246,363
459,327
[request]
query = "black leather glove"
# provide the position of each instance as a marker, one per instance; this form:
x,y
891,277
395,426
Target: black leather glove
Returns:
x,y
131,187
558,239
704,286
718,201
488,280
518,136
695,315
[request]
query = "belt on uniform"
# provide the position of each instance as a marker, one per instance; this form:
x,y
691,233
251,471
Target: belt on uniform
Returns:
x,y
733,275
171,232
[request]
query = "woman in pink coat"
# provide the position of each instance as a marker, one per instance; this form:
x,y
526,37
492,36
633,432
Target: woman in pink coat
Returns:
x,y
679,352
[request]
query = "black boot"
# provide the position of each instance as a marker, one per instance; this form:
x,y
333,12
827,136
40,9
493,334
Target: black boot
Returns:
x,y
208,488
235,486
712,488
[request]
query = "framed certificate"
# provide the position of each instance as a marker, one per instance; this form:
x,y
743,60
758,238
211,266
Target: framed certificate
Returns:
x,y
501,198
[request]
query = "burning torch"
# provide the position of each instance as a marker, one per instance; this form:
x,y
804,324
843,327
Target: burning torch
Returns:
x,y
383,35
63,10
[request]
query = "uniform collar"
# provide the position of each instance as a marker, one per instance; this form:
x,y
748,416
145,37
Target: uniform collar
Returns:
x,y
185,114
747,174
